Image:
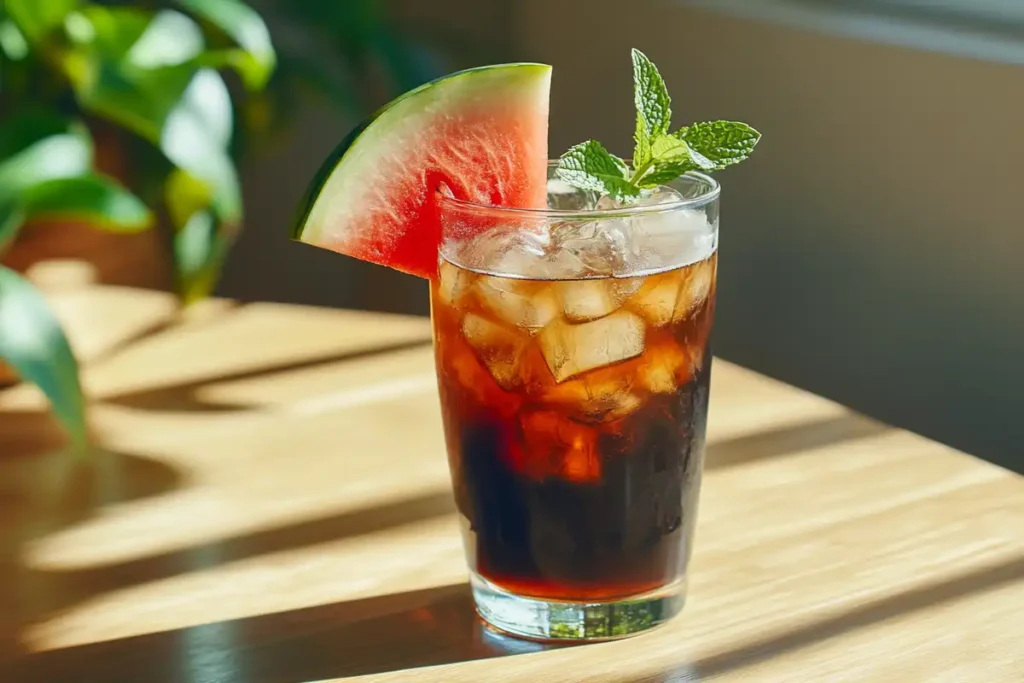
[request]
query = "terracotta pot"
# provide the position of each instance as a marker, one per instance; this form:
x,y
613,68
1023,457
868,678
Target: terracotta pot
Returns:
x,y
136,260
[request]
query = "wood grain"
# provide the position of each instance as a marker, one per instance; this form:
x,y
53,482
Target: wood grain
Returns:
x,y
268,502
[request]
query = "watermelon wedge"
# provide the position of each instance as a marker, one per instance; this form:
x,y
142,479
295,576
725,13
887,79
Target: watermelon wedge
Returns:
x,y
482,133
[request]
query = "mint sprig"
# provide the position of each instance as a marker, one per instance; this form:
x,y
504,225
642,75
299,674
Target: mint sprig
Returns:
x,y
589,166
659,157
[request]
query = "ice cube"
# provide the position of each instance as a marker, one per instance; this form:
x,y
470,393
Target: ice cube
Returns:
x,y
673,296
664,367
696,287
584,300
525,304
563,265
453,283
504,249
659,240
656,300
570,350
564,197
595,399
462,367
660,195
499,348
558,447
522,254
601,246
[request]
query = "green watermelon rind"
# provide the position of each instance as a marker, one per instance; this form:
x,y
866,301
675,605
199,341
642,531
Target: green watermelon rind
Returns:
x,y
398,112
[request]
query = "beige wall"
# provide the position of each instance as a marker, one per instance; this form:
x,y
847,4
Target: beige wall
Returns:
x,y
872,251
874,248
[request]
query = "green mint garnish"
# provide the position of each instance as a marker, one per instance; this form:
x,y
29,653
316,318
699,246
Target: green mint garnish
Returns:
x,y
723,143
658,156
653,108
589,166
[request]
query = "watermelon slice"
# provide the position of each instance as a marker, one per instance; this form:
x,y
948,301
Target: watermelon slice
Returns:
x,y
481,132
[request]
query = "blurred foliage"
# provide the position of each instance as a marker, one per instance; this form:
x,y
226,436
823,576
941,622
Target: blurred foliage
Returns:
x,y
129,115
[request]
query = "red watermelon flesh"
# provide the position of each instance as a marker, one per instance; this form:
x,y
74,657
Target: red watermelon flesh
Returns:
x,y
482,133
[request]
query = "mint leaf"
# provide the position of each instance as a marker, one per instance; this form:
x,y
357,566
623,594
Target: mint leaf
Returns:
x,y
723,143
641,143
666,148
650,95
589,166
666,173
670,149
658,157
670,158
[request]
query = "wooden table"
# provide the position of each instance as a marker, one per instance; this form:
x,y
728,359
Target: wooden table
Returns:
x,y
270,504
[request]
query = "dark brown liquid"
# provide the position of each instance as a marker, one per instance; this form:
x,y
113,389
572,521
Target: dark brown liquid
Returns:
x,y
585,488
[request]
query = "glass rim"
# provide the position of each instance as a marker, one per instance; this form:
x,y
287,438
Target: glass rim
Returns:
x,y
711,192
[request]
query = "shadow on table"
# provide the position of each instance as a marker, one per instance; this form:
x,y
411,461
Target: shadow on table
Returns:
x,y
42,491
379,634
410,630
879,610
770,443
80,584
45,487
183,397
387,633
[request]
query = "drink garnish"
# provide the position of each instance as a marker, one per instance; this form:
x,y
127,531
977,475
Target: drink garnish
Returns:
x,y
659,156
481,133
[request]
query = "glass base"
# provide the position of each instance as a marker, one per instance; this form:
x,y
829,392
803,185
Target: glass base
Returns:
x,y
557,620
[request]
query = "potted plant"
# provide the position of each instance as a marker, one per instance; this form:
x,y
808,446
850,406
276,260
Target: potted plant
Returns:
x,y
121,128
147,83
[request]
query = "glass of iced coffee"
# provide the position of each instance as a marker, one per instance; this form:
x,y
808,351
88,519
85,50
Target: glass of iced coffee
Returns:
x,y
573,365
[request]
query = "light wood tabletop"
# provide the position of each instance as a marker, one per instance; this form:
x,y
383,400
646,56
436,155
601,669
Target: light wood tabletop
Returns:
x,y
269,503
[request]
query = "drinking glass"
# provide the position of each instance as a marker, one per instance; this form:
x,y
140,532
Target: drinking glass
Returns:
x,y
573,366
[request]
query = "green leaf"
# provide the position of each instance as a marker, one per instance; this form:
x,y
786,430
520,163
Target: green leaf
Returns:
x,y
35,148
32,342
186,111
670,158
589,166
36,18
170,39
658,157
245,26
11,219
201,240
12,41
666,173
30,125
107,32
131,67
641,143
65,155
90,198
200,248
184,196
650,95
138,99
195,137
723,143
666,148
